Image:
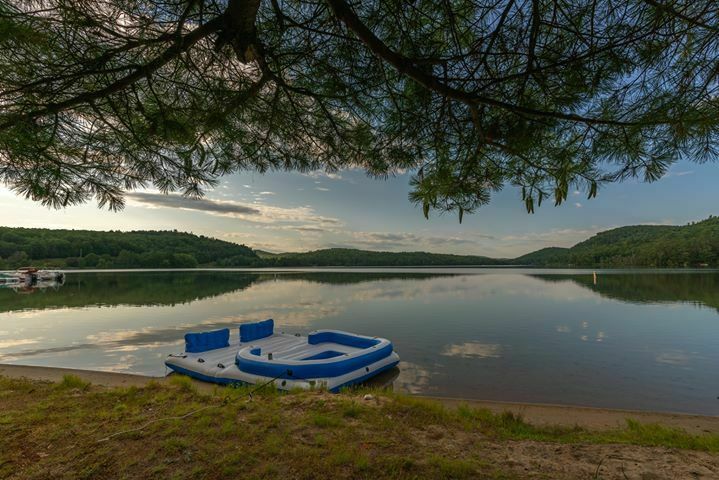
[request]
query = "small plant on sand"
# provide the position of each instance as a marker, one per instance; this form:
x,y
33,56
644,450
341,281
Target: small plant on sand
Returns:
x,y
73,382
452,468
325,421
183,383
352,410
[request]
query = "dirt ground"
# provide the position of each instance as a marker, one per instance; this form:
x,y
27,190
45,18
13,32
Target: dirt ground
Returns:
x,y
529,459
429,447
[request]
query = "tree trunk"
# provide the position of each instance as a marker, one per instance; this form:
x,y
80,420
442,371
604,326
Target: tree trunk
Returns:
x,y
239,29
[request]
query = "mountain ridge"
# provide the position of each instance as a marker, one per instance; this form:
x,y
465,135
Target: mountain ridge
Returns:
x,y
693,245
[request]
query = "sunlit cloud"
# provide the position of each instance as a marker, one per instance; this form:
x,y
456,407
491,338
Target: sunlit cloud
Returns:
x,y
323,174
18,343
186,203
678,174
405,240
253,212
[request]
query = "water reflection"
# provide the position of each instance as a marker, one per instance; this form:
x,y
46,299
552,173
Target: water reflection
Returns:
x,y
413,378
169,288
696,288
473,350
633,340
25,288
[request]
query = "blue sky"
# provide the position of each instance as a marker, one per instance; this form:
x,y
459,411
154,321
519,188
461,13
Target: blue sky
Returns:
x,y
297,212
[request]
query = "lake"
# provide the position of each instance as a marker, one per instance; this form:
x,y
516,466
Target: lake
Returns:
x,y
636,339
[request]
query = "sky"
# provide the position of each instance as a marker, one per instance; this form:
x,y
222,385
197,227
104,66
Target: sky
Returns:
x,y
290,212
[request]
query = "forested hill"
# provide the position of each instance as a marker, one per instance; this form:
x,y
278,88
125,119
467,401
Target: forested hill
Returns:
x,y
115,249
171,249
692,245
362,258
545,256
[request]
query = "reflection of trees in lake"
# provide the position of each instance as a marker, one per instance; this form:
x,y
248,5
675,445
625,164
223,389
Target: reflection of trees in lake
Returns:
x,y
111,289
169,288
701,288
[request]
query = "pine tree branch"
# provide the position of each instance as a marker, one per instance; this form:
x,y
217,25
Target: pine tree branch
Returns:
x,y
181,45
406,66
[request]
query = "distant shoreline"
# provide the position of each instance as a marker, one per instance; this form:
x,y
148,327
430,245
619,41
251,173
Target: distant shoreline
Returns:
x,y
379,268
639,246
535,413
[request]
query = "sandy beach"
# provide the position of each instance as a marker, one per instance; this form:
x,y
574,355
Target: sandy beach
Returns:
x,y
538,414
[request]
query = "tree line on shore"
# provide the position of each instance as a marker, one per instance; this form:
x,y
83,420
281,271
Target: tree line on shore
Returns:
x,y
662,246
692,245
115,249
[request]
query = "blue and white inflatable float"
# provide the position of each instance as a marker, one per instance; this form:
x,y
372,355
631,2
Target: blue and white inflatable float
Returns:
x,y
325,358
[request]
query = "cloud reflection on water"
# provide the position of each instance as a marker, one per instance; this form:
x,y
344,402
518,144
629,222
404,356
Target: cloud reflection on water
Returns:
x,y
458,335
473,350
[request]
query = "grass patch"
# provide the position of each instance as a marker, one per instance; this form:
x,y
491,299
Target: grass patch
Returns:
x,y
351,410
658,435
55,431
73,382
325,421
183,383
452,468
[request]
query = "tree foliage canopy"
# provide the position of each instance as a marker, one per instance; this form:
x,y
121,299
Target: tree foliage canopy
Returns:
x,y
101,96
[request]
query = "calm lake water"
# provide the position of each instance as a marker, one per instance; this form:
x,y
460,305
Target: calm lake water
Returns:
x,y
639,340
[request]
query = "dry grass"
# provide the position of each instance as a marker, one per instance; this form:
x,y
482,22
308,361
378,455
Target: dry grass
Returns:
x,y
76,430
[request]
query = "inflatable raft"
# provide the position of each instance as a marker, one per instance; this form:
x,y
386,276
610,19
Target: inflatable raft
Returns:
x,y
325,358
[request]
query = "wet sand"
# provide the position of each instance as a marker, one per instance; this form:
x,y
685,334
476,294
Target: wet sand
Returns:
x,y
538,414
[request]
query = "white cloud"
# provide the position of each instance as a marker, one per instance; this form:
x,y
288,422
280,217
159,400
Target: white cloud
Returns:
x,y
322,189
678,174
578,205
323,174
562,237
406,240
255,212
18,342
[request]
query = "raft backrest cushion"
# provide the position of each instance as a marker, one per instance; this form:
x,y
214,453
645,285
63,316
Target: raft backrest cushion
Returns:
x,y
202,342
342,338
256,330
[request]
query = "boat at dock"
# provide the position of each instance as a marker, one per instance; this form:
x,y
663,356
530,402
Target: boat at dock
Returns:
x,y
330,359
34,275
31,278
7,278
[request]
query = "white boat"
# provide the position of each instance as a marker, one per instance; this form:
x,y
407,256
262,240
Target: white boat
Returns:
x,y
10,279
33,275
331,359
